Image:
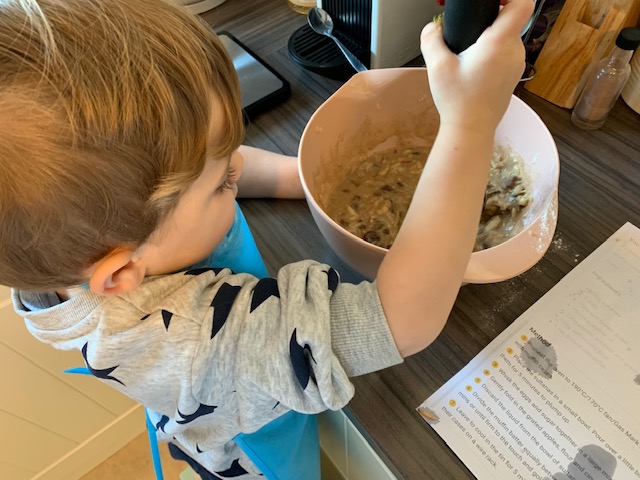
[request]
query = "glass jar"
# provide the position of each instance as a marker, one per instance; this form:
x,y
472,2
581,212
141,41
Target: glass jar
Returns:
x,y
301,6
606,82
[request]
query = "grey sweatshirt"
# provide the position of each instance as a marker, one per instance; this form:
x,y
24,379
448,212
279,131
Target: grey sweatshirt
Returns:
x,y
215,354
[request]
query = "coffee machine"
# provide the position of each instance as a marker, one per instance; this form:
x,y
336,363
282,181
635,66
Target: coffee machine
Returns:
x,y
381,33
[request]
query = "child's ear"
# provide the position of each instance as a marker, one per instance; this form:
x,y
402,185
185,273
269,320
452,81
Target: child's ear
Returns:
x,y
118,272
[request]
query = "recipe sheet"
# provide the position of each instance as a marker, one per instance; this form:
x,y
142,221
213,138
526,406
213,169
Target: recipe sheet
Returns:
x,y
557,394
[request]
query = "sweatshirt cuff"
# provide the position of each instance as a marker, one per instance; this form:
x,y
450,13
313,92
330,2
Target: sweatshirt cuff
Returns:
x,y
361,337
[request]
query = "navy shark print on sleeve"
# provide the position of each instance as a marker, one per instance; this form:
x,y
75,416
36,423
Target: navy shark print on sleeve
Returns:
x,y
202,410
103,373
300,360
222,303
332,279
264,289
161,424
166,319
235,470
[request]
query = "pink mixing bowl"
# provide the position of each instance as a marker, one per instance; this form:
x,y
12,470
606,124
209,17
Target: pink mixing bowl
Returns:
x,y
379,109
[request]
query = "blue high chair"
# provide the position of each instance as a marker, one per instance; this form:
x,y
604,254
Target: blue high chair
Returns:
x,y
287,448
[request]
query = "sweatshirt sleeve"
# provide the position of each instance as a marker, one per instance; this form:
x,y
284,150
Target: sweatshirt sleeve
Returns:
x,y
206,340
293,340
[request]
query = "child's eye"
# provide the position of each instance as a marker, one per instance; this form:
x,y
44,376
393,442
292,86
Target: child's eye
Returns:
x,y
229,180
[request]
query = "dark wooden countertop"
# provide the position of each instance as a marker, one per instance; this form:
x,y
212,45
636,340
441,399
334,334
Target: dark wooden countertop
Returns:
x,y
599,192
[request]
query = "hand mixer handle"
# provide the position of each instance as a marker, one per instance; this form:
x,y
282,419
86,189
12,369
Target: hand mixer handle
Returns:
x,y
465,20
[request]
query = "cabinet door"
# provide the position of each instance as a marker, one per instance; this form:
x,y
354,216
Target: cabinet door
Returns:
x,y
45,413
26,449
14,334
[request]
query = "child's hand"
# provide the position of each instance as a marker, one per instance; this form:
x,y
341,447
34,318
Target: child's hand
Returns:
x,y
473,90
268,175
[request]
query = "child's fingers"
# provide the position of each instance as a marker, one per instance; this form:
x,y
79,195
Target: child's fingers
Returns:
x,y
431,34
434,50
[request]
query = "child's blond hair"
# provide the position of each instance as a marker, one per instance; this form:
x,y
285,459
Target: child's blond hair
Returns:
x,y
104,112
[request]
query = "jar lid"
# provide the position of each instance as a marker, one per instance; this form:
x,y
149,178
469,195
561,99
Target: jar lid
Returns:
x,y
628,38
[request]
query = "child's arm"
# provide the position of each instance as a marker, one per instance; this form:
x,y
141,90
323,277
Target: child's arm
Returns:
x,y
419,278
268,175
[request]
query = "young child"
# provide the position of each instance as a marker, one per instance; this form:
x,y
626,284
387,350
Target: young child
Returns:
x,y
120,154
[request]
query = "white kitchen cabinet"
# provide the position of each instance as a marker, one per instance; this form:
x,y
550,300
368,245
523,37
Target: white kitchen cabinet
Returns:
x,y
54,425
